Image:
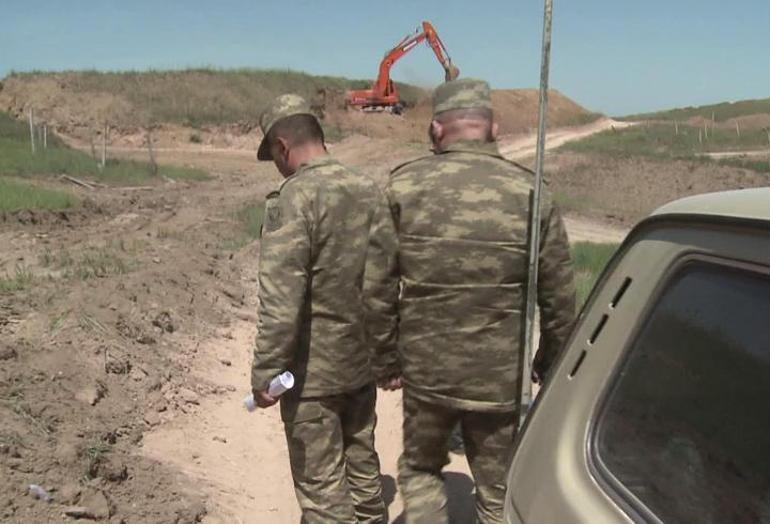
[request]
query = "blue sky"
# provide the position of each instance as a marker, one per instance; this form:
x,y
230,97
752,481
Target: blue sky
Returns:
x,y
614,56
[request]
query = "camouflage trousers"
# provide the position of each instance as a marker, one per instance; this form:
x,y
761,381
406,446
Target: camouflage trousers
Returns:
x,y
488,440
334,466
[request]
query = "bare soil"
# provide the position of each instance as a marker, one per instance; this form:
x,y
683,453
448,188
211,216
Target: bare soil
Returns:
x,y
124,363
622,191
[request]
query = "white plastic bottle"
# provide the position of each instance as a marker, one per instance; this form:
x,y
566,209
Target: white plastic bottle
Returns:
x,y
278,386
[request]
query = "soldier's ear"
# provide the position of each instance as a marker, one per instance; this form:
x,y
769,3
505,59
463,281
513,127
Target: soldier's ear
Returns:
x,y
282,147
436,132
495,130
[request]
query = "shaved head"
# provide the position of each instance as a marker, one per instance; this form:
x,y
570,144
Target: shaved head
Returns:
x,y
293,140
472,113
297,130
476,124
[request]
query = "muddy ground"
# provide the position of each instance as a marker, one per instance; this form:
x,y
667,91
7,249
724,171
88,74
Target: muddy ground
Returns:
x,y
124,359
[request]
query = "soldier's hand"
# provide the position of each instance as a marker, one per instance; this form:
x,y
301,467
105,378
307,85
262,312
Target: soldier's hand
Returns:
x,y
263,400
390,384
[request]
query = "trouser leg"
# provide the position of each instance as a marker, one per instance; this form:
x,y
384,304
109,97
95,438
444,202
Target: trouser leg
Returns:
x,y
363,465
316,454
426,432
488,446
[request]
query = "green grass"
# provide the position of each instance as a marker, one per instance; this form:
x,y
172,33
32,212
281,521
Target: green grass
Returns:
x,y
17,159
569,202
759,166
661,141
90,263
94,453
249,226
20,280
590,259
250,217
15,196
720,112
203,96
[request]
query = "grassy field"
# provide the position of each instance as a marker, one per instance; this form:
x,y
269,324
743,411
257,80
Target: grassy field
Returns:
x,y
18,161
590,259
759,166
15,196
198,97
662,141
719,112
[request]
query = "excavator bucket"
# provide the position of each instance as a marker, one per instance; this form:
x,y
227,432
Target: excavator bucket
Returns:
x,y
452,72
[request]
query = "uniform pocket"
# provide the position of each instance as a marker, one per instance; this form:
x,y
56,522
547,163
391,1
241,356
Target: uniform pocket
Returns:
x,y
298,411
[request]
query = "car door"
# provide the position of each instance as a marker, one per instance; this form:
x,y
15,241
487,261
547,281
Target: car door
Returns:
x,y
658,409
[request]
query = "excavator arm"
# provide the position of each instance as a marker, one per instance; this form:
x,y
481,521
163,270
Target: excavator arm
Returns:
x,y
383,93
450,71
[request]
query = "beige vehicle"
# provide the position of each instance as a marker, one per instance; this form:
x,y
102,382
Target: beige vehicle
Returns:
x,y
659,409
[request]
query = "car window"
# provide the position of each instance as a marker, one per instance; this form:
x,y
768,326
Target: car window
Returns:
x,y
686,428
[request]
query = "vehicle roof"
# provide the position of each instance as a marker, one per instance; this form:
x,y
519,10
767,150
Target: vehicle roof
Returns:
x,y
744,203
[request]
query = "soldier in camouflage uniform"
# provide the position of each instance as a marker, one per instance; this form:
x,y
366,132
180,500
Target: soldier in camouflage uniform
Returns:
x,y
462,222
317,230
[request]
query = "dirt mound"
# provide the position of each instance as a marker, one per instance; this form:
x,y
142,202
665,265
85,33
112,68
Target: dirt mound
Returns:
x,y
517,110
221,109
192,98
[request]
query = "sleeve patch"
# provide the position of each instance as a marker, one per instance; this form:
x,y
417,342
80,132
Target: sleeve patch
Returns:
x,y
272,219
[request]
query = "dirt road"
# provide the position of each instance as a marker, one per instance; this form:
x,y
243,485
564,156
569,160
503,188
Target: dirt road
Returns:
x,y
125,361
517,147
738,154
238,459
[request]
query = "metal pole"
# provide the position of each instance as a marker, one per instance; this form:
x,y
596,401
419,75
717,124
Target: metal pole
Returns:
x,y
534,226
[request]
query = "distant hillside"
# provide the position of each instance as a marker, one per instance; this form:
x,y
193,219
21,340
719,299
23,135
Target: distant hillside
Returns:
x,y
78,103
722,112
191,97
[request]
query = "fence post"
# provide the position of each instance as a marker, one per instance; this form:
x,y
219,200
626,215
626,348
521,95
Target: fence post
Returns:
x,y
153,164
32,129
738,128
45,136
104,145
93,148
676,127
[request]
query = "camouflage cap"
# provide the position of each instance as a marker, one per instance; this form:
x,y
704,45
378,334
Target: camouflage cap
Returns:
x,y
465,93
281,107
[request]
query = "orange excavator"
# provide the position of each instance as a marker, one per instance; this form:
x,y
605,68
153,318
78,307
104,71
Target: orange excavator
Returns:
x,y
383,95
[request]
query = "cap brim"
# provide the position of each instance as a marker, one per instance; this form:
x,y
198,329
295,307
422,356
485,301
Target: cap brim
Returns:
x,y
263,153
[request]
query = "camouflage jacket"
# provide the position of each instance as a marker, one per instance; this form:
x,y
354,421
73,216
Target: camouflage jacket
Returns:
x,y
316,235
462,223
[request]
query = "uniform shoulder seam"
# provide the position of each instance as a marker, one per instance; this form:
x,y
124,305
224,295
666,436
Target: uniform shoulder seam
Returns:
x,y
408,162
520,166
